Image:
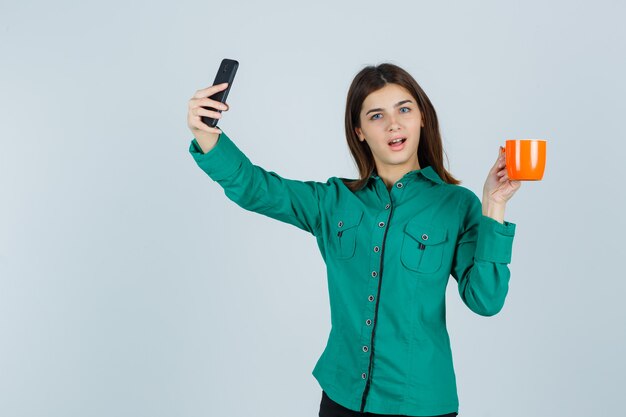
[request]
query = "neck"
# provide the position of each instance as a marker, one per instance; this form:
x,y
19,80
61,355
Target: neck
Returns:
x,y
392,173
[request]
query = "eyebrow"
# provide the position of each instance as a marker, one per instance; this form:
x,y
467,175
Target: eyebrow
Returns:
x,y
395,105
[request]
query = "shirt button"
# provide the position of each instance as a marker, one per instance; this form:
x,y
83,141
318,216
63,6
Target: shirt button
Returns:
x,y
381,224
340,223
371,298
368,322
376,248
364,375
364,348
399,185
374,273
387,206
424,236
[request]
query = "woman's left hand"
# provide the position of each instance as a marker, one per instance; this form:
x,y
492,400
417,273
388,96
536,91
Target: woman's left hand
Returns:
x,y
498,187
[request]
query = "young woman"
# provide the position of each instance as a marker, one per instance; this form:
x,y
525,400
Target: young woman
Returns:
x,y
390,240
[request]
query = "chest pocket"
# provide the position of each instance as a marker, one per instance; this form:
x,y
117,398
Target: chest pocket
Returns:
x,y
422,247
344,232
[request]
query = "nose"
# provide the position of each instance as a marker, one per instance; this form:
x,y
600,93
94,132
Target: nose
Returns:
x,y
393,123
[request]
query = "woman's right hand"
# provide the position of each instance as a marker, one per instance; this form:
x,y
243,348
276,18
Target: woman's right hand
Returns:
x,y
206,136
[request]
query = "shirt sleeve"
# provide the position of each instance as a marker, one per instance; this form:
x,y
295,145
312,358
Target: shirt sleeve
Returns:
x,y
481,258
255,189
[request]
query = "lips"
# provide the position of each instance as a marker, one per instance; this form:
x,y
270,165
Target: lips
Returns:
x,y
397,143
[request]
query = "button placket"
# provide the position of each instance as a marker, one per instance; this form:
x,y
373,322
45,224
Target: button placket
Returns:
x,y
375,261
370,310
365,341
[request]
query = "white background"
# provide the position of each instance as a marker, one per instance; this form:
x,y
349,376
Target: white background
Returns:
x,y
131,286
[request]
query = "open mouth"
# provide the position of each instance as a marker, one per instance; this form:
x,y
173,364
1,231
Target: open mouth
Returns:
x,y
396,142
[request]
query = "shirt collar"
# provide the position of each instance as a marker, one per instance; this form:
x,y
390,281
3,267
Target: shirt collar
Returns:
x,y
427,172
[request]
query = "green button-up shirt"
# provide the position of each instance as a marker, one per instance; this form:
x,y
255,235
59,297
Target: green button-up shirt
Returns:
x,y
389,255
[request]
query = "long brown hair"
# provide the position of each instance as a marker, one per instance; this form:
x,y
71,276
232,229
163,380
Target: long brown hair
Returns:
x,y
430,149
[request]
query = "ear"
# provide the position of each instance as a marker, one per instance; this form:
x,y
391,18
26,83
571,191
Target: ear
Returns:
x,y
359,133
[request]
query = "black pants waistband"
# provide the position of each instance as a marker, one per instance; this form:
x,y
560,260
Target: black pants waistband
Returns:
x,y
329,408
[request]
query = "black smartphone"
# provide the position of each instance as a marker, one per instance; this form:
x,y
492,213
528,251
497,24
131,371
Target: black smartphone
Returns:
x,y
225,74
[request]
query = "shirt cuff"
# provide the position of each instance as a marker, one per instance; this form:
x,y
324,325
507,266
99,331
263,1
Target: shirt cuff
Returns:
x,y
221,161
495,240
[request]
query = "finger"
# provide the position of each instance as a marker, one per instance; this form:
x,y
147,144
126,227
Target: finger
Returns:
x,y
199,111
209,91
211,103
500,154
207,102
499,162
197,123
498,166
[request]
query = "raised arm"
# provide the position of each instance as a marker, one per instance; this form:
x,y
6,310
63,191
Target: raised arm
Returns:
x,y
255,189
249,186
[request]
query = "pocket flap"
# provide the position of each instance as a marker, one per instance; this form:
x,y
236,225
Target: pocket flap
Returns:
x,y
427,235
345,219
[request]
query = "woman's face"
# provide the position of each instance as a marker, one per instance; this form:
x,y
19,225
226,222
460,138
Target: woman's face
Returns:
x,y
386,114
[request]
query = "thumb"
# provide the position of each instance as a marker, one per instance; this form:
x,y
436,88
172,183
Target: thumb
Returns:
x,y
495,165
500,153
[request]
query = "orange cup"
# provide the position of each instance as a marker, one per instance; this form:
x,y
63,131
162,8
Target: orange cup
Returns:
x,y
525,159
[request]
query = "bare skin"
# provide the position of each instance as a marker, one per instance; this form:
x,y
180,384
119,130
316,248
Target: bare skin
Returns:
x,y
206,136
377,128
396,117
393,120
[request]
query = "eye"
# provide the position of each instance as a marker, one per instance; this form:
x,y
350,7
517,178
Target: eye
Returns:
x,y
408,108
